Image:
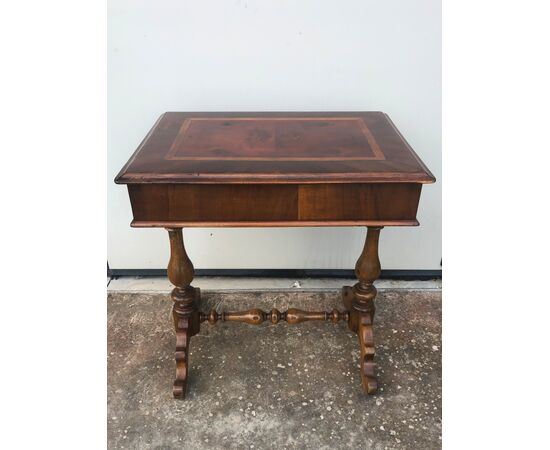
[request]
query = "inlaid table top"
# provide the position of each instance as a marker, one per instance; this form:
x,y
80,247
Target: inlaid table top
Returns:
x,y
281,147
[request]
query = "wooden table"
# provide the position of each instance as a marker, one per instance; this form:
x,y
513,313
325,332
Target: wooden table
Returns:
x,y
274,170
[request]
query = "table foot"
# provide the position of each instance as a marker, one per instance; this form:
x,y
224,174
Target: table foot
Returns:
x,y
366,343
182,356
362,324
186,324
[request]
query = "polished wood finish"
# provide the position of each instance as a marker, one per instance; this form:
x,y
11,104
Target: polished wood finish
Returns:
x,y
360,300
257,316
185,313
281,147
274,139
277,169
286,204
274,169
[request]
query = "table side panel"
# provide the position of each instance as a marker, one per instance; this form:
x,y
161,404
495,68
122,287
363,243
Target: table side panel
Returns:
x,y
274,205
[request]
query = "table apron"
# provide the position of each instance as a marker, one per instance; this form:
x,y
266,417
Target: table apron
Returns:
x,y
188,205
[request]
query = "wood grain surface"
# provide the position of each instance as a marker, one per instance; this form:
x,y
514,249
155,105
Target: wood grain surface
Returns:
x,y
282,147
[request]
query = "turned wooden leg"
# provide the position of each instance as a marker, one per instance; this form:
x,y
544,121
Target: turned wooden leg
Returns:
x,y
360,301
185,312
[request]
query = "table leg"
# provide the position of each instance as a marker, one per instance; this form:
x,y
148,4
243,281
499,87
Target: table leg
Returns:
x,y
359,299
185,312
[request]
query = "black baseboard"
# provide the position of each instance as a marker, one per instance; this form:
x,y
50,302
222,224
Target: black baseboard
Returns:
x,y
282,273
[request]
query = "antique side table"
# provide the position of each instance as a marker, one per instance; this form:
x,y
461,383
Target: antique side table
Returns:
x,y
274,170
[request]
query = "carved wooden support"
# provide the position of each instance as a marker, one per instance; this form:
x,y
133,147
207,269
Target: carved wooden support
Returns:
x,y
360,300
257,316
184,310
182,356
366,343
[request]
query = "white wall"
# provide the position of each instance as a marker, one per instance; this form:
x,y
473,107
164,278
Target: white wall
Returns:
x,y
170,55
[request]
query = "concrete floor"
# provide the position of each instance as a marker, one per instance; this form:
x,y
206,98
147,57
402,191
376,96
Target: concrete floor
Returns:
x,y
275,386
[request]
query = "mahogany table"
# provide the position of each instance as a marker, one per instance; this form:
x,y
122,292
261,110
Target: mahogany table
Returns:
x,y
274,170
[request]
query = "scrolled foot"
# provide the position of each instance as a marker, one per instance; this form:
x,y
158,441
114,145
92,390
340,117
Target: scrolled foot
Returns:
x,y
182,357
366,342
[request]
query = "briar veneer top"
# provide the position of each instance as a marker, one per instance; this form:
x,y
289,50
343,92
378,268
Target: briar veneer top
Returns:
x,y
247,147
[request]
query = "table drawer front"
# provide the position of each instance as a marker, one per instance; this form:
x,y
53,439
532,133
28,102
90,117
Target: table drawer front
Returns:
x,y
327,202
281,205
213,203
